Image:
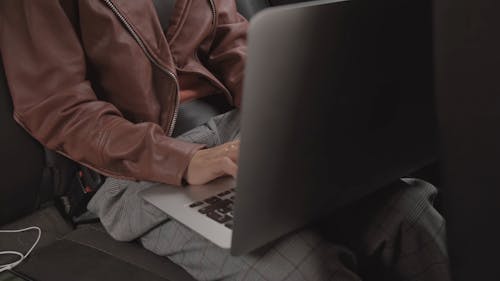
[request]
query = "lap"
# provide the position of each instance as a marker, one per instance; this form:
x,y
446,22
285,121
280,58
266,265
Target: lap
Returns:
x,y
303,255
397,231
397,222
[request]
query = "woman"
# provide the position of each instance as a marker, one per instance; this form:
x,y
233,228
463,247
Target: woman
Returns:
x,y
101,82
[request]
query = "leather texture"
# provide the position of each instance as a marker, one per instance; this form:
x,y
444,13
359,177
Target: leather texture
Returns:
x,y
116,87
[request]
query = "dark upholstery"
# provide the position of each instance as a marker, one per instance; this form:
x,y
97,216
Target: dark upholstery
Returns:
x,y
283,2
164,8
86,264
96,256
21,165
53,227
63,250
468,96
249,8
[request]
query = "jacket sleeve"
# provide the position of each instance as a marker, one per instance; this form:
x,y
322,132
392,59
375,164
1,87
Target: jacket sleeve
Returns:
x,y
228,52
46,73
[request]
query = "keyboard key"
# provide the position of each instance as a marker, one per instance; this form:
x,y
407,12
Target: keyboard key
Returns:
x,y
225,209
206,209
218,217
219,208
196,204
225,219
214,215
213,200
222,203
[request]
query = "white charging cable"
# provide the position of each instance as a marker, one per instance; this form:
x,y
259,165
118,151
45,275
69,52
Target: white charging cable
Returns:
x,y
8,266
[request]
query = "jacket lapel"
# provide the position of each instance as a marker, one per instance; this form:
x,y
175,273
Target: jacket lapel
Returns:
x,y
142,18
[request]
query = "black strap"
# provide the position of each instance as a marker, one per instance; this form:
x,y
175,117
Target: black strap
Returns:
x,y
164,10
56,177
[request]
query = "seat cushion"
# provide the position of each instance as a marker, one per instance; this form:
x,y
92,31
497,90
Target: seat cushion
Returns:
x,y
90,254
52,224
85,253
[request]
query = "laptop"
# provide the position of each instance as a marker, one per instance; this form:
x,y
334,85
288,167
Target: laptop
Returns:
x,y
337,104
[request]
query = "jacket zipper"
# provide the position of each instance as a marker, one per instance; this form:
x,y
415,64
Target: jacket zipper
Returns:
x,y
214,23
151,58
214,14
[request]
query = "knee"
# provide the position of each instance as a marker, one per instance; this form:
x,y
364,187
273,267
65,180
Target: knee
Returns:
x,y
408,213
407,224
418,224
416,204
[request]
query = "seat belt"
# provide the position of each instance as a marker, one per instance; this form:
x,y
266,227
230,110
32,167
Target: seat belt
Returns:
x,y
164,10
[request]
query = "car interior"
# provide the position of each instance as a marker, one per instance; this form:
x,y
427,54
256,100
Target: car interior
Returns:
x,y
79,251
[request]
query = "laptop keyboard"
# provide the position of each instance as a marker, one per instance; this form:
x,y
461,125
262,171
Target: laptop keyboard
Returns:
x,y
218,207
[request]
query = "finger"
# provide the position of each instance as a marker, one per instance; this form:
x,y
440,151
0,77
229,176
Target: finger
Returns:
x,y
234,150
231,145
231,150
229,167
234,154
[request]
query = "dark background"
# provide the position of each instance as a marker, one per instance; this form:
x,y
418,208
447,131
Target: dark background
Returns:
x,y
467,53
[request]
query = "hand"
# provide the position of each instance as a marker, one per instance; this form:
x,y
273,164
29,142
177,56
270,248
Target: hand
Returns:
x,y
211,163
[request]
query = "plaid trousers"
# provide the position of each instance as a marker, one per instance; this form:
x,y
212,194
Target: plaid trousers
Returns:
x,y
394,234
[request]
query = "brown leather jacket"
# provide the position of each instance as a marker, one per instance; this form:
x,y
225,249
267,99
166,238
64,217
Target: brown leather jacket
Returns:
x,y
99,82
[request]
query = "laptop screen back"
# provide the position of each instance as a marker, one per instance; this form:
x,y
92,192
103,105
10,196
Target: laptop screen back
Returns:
x,y
337,103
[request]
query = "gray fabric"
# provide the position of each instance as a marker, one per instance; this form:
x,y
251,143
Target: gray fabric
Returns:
x,y
194,113
396,232
395,235
300,256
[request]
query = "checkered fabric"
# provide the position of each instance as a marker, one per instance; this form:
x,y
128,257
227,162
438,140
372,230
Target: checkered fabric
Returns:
x,y
396,234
